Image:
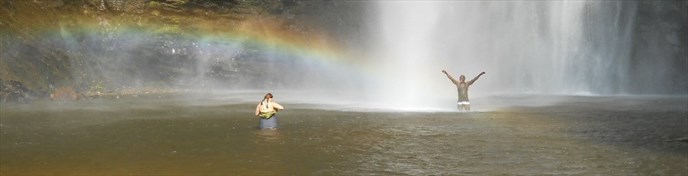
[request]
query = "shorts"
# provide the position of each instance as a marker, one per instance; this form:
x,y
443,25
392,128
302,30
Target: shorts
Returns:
x,y
270,123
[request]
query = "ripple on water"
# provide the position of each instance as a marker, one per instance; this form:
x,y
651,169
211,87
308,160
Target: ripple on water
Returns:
x,y
223,139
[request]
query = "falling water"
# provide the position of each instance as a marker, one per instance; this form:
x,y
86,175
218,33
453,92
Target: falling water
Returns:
x,y
538,47
542,47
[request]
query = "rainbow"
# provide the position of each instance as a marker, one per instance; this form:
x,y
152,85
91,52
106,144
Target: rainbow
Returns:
x,y
318,47
264,32
211,34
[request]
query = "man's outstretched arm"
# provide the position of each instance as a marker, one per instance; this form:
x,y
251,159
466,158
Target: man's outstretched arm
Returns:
x,y
476,78
450,77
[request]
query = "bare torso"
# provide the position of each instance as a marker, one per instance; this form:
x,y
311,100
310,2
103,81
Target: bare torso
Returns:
x,y
462,89
462,85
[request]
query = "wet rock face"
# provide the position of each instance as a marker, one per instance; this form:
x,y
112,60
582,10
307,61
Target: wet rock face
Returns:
x,y
660,35
117,44
65,93
13,91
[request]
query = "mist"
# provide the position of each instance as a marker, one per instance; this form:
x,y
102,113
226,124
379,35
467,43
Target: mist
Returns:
x,y
526,47
378,53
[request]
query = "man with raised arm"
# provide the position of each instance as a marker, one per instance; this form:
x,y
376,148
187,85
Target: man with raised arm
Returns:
x,y
462,88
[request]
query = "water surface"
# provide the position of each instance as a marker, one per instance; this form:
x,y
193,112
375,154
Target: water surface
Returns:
x,y
219,136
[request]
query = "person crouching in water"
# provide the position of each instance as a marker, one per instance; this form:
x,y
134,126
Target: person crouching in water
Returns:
x,y
462,88
266,111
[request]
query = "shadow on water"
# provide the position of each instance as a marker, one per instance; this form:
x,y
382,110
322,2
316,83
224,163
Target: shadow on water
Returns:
x,y
269,135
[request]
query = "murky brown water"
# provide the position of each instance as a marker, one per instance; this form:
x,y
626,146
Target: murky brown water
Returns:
x,y
166,136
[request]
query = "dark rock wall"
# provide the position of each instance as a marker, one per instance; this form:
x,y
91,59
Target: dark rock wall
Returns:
x,y
660,38
107,45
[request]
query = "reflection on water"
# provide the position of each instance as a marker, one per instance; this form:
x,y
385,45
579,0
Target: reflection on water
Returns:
x,y
269,135
593,135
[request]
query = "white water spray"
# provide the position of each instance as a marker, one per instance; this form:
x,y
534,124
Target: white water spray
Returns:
x,y
557,47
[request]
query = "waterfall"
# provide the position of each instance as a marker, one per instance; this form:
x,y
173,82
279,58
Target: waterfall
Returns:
x,y
542,47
